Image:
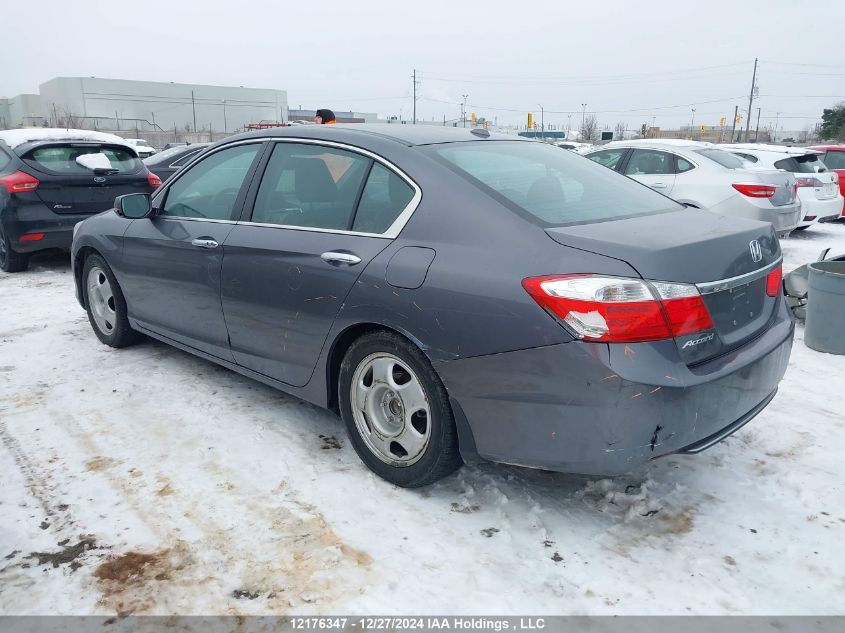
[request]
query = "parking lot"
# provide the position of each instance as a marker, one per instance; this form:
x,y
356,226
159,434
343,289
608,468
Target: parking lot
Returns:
x,y
146,480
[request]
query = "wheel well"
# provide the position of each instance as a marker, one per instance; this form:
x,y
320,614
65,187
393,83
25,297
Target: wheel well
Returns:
x,y
79,263
341,344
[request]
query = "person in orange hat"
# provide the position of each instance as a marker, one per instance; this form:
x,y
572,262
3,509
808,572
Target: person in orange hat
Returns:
x,y
324,116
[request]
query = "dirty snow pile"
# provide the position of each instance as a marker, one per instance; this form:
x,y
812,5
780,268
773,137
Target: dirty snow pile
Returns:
x,y
146,480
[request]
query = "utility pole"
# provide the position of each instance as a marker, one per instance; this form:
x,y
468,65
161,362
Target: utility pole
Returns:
x,y
194,109
568,125
692,120
583,115
757,131
225,123
733,127
542,121
464,110
775,137
750,99
415,95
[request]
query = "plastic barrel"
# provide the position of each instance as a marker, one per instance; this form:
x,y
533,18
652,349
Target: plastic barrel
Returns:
x,y
825,327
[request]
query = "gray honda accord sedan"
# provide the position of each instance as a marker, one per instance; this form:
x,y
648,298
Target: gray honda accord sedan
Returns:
x,y
455,295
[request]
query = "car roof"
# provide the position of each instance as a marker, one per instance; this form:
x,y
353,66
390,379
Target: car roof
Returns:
x,y
774,149
407,134
32,136
837,148
660,143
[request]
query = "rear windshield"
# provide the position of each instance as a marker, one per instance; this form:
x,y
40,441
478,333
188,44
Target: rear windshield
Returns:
x,y
548,186
725,159
62,158
806,164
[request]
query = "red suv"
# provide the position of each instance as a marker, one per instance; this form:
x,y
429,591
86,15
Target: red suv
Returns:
x,y
834,159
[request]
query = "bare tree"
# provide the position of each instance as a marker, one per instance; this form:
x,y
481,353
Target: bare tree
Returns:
x,y
68,119
589,128
621,127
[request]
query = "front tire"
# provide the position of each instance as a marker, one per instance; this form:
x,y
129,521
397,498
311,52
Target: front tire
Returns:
x,y
11,261
397,412
105,304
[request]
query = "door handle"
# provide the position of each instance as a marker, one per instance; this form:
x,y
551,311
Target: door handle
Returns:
x,y
204,242
334,257
658,185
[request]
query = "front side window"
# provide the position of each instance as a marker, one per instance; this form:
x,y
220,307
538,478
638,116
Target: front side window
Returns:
x,y
649,161
547,186
62,159
835,160
607,157
310,186
210,188
385,196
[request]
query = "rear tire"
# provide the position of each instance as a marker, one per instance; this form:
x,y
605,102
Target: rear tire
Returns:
x,y
105,304
10,260
397,412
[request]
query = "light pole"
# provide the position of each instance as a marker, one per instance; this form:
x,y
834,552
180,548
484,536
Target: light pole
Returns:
x,y
692,120
464,109
542,122
583,116
653,120
775,137
225,124
568,125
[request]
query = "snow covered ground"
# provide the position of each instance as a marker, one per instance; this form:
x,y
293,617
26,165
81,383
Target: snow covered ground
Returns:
x,y
146,480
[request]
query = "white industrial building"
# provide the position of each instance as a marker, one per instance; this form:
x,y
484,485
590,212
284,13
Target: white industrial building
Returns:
x,y
146,106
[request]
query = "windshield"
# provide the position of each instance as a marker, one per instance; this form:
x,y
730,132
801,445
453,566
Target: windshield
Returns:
x,y
725,159
548,186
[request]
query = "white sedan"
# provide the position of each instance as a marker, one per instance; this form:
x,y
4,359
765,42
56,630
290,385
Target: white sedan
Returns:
x,y
703,176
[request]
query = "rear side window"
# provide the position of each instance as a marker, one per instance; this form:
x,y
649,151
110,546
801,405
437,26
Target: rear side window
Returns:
x,y
683,164
725,159
835,160
547,186
4,159
310,186
210,188
62,159
649,161
607,157
385,196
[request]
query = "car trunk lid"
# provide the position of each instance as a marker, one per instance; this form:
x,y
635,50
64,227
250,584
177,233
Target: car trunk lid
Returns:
x,y
727,258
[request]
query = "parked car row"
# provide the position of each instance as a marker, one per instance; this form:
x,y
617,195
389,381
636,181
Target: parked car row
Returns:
x,y
704,176
458,295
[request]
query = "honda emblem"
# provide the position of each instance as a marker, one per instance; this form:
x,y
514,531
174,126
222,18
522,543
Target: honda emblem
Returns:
x,y
756,251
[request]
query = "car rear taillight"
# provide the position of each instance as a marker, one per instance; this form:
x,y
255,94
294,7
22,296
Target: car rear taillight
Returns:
x,y
773,282
809,182
620,310
155,181
31,237
19,182
756,191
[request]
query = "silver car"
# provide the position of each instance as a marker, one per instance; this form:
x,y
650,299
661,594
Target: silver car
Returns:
x,y
704,176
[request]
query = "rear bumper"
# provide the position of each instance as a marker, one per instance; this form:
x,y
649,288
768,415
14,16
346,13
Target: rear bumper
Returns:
x,y
37,218
602,409
820,210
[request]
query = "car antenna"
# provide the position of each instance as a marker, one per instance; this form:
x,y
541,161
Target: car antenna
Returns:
x,y
480,131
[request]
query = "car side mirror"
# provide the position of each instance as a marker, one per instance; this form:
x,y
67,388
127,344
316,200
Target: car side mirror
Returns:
x,y
134,206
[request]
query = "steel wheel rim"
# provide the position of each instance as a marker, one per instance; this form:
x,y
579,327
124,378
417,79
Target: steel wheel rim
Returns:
x,y
391,409
101,300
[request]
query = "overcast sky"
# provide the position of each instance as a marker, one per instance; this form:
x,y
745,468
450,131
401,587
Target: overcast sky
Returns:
x,y
628,61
